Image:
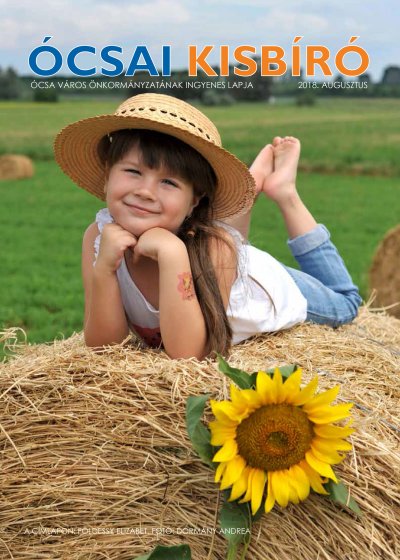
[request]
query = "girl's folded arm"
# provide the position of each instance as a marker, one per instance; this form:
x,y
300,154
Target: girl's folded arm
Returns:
x,y
105,321
182,324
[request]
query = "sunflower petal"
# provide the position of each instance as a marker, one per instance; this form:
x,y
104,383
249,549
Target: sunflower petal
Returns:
x,y
322,468
293,496
257,489
264,387
227,452
313,477
299,481
251,398
280,487
331,457
234,391
220,432
247,496
332,432
291,387
232,472
306,393
238,399
240,486
324,398
327,445
270,501
225,424
219,472
326,414
224,411
278,386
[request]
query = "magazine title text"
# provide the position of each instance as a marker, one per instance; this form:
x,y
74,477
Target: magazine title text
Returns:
x,y
243,60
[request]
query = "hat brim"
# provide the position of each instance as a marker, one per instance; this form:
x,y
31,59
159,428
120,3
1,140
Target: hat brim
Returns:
x,y
76,153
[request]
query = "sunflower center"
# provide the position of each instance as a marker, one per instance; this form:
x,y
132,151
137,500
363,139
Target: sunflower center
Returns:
x,y
275,437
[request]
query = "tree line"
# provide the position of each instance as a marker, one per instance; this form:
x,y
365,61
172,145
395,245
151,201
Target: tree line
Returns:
x,y
209,90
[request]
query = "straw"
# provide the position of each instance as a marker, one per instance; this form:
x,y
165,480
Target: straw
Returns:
x,y
96,462
384,274
15,167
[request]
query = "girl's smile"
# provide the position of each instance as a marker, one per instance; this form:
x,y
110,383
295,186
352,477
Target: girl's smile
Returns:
x,y
136,209
140,198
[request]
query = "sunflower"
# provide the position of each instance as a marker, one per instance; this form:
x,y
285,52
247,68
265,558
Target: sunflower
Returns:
x,y
278,436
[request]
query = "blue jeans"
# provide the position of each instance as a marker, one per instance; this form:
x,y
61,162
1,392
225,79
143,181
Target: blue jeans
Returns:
x,y
332,298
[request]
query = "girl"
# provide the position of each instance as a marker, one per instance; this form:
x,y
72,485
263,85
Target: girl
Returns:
x,y
160,261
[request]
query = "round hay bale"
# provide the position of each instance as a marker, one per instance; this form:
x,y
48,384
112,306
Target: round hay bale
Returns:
x,y
96,462
15,167
384,274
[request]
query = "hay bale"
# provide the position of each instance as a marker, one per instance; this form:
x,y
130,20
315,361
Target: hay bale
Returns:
x,y
96,462
384,274
15,167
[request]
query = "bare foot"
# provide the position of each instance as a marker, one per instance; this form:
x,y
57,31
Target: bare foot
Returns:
x,y
275,167
281,183
262,166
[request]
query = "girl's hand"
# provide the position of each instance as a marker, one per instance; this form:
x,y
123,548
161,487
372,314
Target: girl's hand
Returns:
x,y
153,242
114,241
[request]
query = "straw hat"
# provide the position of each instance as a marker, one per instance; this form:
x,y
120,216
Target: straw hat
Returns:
x,y
76,147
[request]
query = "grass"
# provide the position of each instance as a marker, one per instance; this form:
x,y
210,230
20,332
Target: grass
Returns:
x,y
42,219
358,211
336,134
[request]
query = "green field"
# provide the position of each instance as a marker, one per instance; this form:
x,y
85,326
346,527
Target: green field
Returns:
x,y
360,136
350,180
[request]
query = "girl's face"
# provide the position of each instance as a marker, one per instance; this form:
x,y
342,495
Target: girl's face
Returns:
x,y
140,198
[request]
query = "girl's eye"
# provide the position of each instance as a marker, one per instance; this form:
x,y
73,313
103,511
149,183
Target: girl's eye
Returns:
x,y
133,171
169,182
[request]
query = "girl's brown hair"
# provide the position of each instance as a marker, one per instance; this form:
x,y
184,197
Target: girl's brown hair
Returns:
x,y
198,230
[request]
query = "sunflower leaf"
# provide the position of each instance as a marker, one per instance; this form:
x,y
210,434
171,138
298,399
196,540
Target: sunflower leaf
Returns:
x,y
286,371
340,494
253,377
199,435
180,552
238,376
235,522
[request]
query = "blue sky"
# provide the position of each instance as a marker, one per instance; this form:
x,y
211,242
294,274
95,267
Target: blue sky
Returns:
x,y
128,23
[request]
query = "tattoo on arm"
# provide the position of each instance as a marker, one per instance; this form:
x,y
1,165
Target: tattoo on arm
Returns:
x,y
185,285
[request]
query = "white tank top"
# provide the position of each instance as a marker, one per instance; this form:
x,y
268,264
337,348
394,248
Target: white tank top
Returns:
x,y
263,298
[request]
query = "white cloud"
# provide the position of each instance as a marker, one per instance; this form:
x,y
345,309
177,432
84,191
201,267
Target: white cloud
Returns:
x,y
182,22
87,21
294,23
